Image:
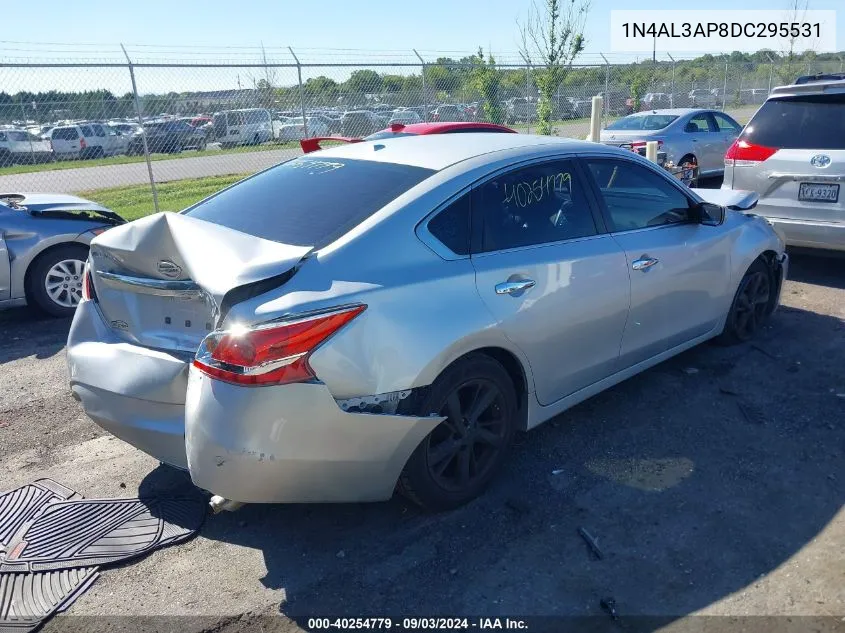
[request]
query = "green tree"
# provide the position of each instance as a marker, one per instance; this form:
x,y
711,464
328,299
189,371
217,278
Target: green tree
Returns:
x,y
392,83
552,36
486,79
363,82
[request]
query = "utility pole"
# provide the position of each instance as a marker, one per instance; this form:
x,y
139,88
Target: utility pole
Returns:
x,y
143,130
425,94
672,93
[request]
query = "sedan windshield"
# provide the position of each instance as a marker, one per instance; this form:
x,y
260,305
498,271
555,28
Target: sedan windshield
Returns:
x,y
643,122
309,201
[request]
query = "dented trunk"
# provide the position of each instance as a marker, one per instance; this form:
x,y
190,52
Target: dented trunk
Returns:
x,y
166,280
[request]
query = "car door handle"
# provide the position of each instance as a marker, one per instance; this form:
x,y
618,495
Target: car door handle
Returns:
x,y
510,287
644,263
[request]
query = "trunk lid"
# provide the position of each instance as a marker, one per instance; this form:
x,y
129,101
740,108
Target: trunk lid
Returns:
x,y
162,281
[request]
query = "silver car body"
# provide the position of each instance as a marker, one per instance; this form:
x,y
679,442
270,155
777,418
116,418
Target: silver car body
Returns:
x,y
162,282
33,223
801,131
702,134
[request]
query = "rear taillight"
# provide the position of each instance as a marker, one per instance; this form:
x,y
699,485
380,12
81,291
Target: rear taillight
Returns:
x,y
637,144
744,153
88,292
82,143
270,354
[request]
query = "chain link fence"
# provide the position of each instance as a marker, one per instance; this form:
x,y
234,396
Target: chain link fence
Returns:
x,y
145,136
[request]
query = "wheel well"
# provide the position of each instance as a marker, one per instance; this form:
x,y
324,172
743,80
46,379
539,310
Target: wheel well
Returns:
x,y
27,276
770,258
692,156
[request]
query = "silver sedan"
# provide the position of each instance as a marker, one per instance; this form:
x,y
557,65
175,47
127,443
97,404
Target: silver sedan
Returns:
x,y
44,241
395,311
684,134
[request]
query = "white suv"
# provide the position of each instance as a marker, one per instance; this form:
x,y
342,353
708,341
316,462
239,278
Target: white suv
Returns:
x,y
87,140
792,153
19,146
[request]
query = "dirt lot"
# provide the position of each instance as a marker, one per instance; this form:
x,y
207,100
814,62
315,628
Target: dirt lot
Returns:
x,y
714,484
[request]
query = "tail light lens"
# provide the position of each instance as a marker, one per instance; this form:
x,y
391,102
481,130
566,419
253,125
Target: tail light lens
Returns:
x,y
82,143
744,153
88,292
270,354
636,145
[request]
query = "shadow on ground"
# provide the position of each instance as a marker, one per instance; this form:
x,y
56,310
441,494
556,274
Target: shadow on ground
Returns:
x,y
28,332
697,478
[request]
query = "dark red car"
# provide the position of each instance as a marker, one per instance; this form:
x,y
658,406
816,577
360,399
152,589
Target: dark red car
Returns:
x,y
398,129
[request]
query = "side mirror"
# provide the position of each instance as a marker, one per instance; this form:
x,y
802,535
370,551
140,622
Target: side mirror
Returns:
x,y
709,214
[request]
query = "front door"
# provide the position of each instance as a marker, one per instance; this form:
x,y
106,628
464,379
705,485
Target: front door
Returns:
x,y
679,269
555,284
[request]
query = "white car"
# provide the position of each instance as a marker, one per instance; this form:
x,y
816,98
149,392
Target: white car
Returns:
x,y
87,140
294,130
405,117
250,126
19,146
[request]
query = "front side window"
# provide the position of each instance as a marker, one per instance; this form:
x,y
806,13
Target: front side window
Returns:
x,y
636,197
726,123
533,205
18,136
98,130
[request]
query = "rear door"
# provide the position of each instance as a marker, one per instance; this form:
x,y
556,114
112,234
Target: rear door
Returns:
x,y
679,269
792,154
555,282
706,143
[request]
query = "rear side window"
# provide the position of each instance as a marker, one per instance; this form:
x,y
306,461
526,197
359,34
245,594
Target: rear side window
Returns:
x,y
86,131
807,122
697,124
533,205
98,130
309,201
451,226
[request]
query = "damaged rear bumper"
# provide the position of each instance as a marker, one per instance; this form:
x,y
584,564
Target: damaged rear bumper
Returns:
x,y
293,444
275,444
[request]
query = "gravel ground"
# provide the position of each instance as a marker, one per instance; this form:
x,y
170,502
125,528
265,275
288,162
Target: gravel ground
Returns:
x,y
714,484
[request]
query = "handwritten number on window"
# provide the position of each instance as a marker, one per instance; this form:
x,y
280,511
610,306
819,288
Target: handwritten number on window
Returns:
x,y
526,193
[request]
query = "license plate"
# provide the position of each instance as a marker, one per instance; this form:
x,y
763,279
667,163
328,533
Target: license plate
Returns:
x,y
812,192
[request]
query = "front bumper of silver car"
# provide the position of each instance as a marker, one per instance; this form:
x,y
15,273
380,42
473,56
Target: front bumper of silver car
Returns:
x,y
271,444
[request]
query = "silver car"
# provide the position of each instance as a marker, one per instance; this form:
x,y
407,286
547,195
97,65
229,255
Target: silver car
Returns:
x,y
685,135
792,153
44,241
394,311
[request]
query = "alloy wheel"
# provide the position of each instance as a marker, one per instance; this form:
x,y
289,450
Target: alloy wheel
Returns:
x,y
752,304
63,282
462,449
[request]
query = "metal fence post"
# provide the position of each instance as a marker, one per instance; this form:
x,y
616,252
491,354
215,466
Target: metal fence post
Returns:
x,y
29,136
606,100
771,71
725,86
425,94
301,91
143,131
672,93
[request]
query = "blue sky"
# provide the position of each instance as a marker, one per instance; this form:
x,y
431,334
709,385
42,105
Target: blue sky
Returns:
x,y
449,25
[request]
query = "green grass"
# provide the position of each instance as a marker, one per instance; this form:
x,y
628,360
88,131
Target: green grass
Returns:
x,y
122,160
136,201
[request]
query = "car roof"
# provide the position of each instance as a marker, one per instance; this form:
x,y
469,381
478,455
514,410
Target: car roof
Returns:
x,y
673,111
438,151
834,86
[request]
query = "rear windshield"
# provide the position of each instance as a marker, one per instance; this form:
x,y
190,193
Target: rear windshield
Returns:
x,y
309,201
638,122
807,122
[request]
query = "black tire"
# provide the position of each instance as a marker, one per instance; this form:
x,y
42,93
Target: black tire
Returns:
x,y
36,291
256,140
6,159
439,474
203,145
751,306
